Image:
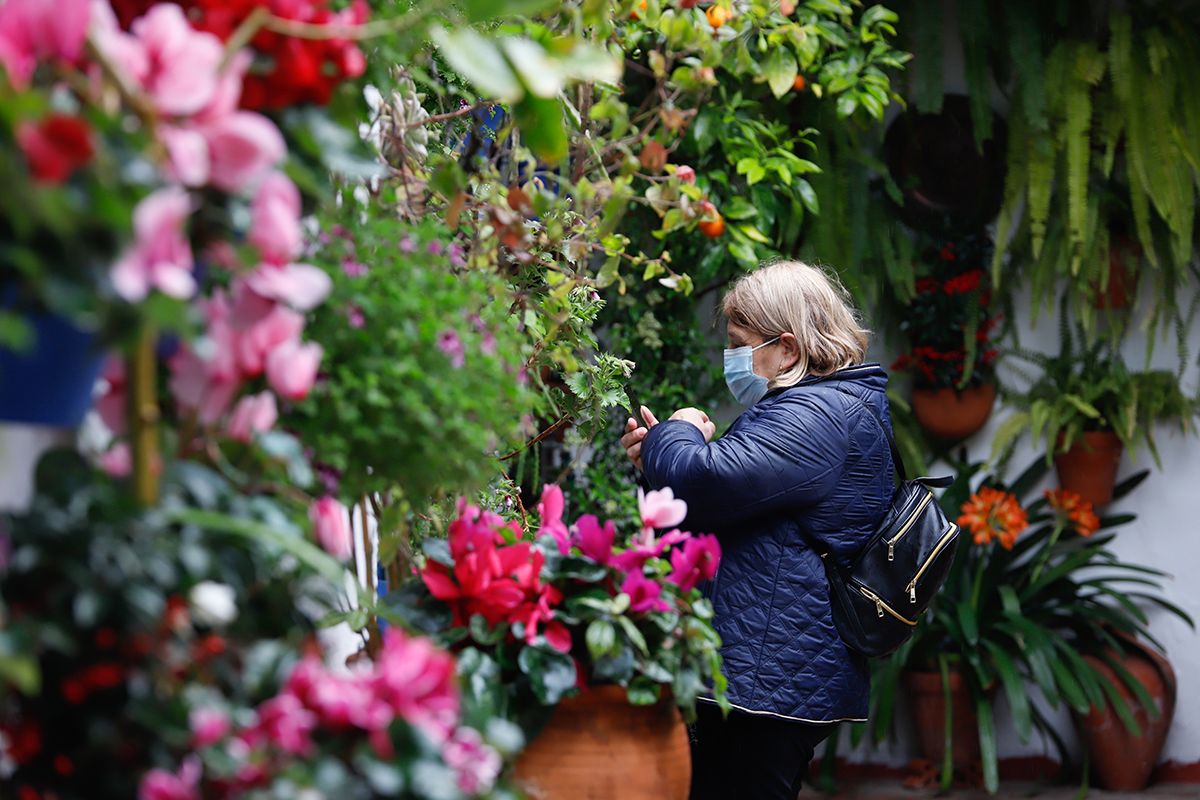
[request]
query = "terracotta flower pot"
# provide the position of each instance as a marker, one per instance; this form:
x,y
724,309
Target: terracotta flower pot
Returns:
x,y
1124,762
599,747
1089,467
952,415
929,714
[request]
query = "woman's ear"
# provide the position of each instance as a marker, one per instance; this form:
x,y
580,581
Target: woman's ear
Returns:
x,y
789,350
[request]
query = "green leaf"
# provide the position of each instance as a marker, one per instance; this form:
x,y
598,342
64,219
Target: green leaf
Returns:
x,y
483,10
480,61
601,638
541,124
551,673
987,744
634,635
781,71
21,672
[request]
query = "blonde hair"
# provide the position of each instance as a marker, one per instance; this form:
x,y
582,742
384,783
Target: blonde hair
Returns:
x,y
805,301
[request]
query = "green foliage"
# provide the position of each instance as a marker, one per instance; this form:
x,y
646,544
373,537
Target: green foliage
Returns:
x,y
423,378
1087,387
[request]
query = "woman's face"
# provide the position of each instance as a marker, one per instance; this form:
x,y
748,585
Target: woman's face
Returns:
x,y
771,360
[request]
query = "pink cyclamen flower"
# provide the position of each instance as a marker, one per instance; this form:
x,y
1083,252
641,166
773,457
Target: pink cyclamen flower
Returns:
x,y
695,561
40,30
418,681
356,318
253,414
111,405
258,340
593,540
646,546
158,784
645,595
301,286
275,219
160,257
182,63
331,525
475,763
660,509
209,726
407,244
243,147
550,509
117,461
287,724
685,173
292,369
449,343
353,269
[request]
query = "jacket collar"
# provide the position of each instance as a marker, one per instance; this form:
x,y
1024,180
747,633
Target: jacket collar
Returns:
x,y
855,372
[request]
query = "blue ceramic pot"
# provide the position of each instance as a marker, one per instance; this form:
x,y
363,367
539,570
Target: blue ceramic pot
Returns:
x,y
52,383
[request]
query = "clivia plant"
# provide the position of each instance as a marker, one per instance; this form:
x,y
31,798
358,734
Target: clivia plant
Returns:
x,y
562,608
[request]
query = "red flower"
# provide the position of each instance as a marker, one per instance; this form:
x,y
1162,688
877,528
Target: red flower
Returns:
x,y
947,252
103,676
964,283
63,765
926,285
24,742
55,146
106,638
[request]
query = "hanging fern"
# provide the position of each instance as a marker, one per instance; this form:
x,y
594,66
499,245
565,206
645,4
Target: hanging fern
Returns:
x,y
1025,52
974,28
1088,67
926,68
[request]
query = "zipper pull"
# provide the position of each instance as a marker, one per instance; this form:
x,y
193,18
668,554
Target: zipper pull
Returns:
x,y
912,594
879,608
891,551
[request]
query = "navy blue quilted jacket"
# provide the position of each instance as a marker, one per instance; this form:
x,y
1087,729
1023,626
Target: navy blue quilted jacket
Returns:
x,y
805,469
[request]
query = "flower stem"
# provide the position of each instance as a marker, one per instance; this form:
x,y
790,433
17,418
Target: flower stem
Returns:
x,y
144,420
1037,569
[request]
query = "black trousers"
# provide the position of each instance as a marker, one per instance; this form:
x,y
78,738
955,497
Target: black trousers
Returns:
x,y
750,757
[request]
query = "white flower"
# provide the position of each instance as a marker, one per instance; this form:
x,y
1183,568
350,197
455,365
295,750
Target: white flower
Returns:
x,y
213,604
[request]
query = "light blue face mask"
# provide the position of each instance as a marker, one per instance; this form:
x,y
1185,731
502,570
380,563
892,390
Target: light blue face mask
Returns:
x,y
747,386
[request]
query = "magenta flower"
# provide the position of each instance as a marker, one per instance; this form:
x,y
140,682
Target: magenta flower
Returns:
x,y
111,405
488,344
331,525
407,244
695,561
253,414
418,682
160,257
449,343
434,248
209,726
458,256
356,318
594,541
550,509
275,220
292,368
353,269
162,785
660,509
645,595
40,30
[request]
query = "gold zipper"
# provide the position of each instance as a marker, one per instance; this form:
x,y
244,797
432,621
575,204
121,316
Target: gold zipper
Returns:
x,y
945,540
881,606
908,524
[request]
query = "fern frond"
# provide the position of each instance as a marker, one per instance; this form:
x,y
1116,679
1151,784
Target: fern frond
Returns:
x,y
926,68
974,29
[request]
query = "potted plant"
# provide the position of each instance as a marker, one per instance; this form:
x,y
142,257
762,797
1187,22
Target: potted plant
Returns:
x,y
948,327
1087,407
1022,605
595,645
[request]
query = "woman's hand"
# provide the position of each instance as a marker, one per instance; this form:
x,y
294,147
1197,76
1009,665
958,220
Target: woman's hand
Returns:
x,y
699,419
632,440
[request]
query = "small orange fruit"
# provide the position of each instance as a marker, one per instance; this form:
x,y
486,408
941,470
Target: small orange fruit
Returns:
x,y
713,224
799,84
633,14
717,16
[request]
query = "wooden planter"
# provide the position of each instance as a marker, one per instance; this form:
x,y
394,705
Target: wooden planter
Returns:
x,y
1089,467
1123,762
929,715
599,747
951,415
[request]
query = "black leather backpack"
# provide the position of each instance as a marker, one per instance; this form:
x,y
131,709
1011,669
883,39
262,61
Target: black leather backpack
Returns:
x,y
878,600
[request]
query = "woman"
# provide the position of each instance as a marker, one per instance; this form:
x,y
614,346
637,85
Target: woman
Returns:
x,y
804,472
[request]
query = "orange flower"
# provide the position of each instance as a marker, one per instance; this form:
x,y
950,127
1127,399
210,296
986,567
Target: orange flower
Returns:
x,y
991,514
1077,511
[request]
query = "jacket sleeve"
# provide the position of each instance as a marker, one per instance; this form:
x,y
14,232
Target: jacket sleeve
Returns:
x,y
789,456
